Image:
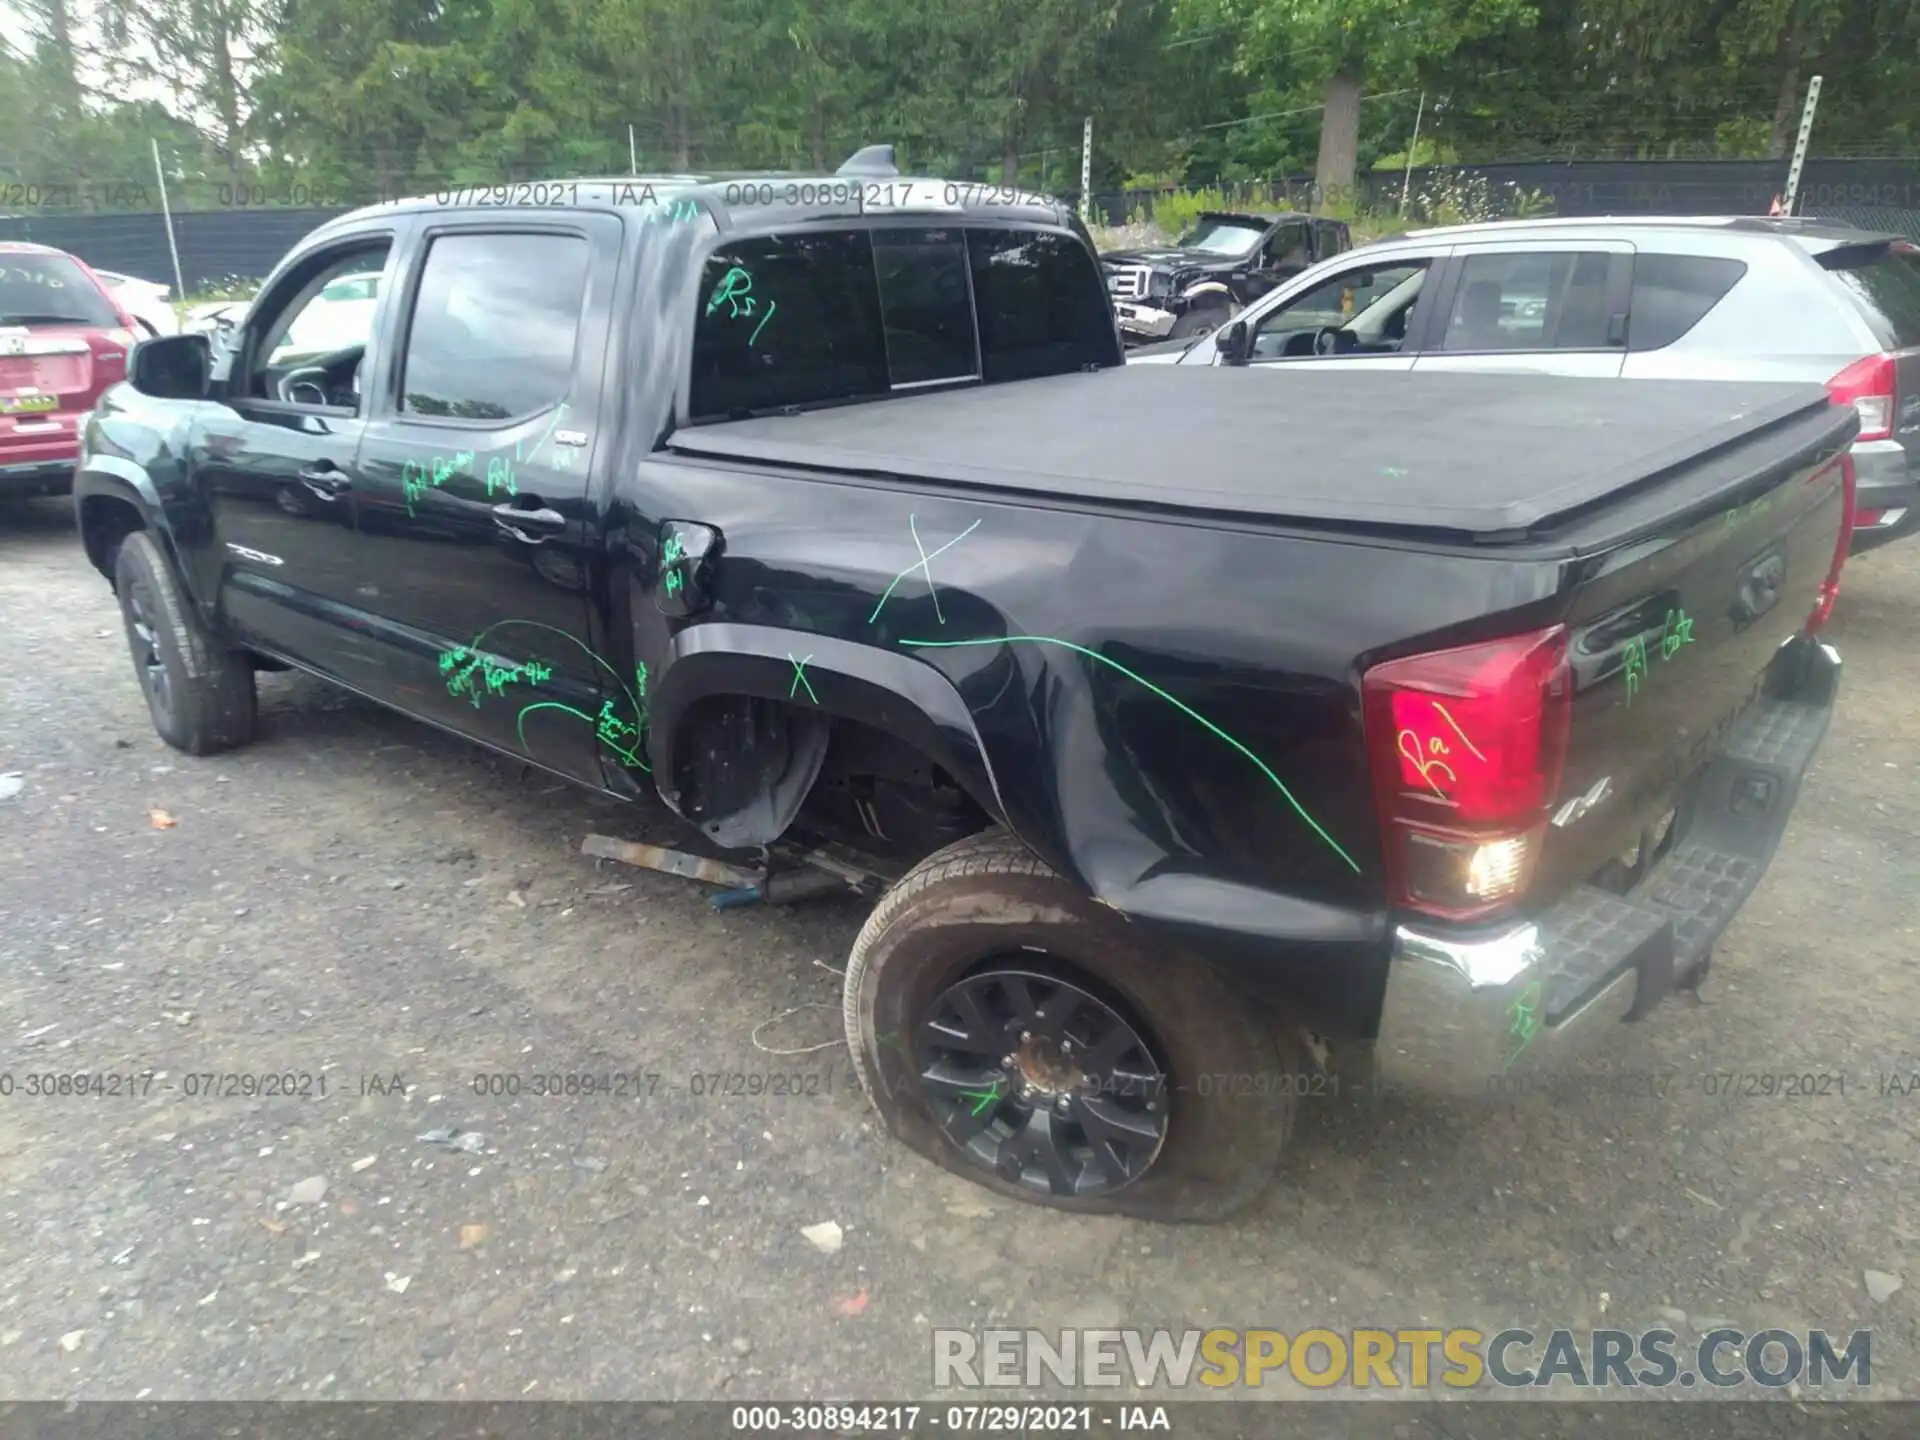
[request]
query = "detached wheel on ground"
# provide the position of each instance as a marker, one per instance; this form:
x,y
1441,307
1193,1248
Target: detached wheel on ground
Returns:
x,y
200,694
1196,323
1012,1030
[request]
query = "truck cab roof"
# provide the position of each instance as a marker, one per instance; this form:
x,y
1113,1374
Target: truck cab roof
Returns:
x,y
743,200
1264,217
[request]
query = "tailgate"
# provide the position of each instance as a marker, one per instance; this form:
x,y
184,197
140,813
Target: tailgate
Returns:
x,y
1675,638
42,371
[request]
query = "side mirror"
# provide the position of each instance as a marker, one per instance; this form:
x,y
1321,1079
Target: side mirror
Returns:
x,y
173,367
1232,343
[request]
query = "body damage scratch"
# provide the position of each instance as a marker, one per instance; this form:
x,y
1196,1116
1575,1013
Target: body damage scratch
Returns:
x,y
1177,704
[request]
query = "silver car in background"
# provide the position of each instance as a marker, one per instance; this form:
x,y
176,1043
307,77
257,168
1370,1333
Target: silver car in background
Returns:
x,y
148,301
1704,298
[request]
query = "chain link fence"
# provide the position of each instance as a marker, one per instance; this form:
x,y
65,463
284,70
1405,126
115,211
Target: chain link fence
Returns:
x,y
225,246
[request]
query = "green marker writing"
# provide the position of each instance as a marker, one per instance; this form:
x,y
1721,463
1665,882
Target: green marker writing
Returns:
x,y
983,1098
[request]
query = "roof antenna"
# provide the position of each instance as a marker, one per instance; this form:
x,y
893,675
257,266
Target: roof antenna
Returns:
x,y
870,160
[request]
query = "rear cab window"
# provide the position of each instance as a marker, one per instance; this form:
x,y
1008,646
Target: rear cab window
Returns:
x,y
1883,281
820,316
50,290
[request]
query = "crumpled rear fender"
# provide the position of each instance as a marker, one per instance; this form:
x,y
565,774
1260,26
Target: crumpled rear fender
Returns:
x,y
787,686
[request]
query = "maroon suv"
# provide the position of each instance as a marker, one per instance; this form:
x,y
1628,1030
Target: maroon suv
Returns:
x,y
63,340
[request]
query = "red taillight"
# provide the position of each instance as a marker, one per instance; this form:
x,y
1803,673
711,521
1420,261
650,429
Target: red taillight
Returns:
x,y
1867,385
1867,519
1830,587
1466,747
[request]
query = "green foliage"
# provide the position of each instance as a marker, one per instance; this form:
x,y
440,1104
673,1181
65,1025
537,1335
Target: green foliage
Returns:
x,y
343,101
1455,198
1427,152
1175,211
232,288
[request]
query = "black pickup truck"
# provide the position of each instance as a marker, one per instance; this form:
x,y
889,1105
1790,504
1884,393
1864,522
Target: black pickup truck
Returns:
x,y
1376,725
1225,262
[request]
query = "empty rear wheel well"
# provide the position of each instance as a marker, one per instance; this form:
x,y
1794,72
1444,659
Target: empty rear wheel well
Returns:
x,y
744,768
105,521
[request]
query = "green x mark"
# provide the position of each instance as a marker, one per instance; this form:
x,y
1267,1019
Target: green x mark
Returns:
x,y
800,678
1524,1016
982,1098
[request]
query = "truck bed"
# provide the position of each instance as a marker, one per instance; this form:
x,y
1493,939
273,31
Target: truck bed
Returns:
x,y
1480,455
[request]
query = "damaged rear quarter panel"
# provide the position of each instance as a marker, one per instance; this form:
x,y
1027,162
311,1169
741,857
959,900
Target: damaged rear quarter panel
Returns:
x,y
1165,711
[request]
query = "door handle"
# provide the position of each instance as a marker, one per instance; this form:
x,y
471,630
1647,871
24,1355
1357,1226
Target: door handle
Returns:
x,y
327,483
518,523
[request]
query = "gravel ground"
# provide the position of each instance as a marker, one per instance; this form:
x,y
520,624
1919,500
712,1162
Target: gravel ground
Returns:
x,y
362,901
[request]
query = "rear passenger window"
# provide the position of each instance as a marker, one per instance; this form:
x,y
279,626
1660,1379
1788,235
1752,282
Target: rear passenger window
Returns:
x,y
1673,293
811,318
494,326
1547,300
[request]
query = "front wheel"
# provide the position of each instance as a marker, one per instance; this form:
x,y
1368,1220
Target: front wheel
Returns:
x,y
1017,1033
1195,323
200,694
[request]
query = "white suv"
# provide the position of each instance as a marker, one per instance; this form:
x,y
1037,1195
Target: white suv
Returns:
x,y
1712,298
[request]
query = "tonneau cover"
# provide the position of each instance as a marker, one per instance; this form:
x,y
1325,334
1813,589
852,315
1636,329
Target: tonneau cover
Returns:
x,y
1481,454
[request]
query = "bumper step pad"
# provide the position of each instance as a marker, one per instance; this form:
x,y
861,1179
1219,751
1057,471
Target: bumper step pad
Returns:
x,y
1665,928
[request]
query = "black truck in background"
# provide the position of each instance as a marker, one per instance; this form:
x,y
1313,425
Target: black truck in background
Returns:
x,y
1420,729
1226,261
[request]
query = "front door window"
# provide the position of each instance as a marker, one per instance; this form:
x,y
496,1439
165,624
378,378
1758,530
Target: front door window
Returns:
x,y
310,340
1361,311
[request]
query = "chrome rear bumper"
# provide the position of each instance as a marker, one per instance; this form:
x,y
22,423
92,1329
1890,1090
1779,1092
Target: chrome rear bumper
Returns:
x,y
1482,1012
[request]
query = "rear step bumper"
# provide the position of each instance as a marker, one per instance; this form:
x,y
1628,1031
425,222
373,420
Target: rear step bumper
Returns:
x,y
1493,1012
1884,481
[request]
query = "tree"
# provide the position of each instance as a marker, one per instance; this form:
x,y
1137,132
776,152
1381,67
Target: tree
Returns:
x,y
995,80
363,98
200,49
1351,44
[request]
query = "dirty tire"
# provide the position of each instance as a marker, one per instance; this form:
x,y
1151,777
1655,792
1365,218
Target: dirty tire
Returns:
x,y
988,895
207,701
1203,321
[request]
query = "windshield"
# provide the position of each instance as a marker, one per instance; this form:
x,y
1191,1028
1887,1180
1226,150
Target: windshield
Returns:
x,y
50,290
1222,237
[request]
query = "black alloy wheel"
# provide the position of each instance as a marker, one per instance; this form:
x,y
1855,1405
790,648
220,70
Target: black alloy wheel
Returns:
x,y
1019,1033
199,692
149,664
1041,1082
